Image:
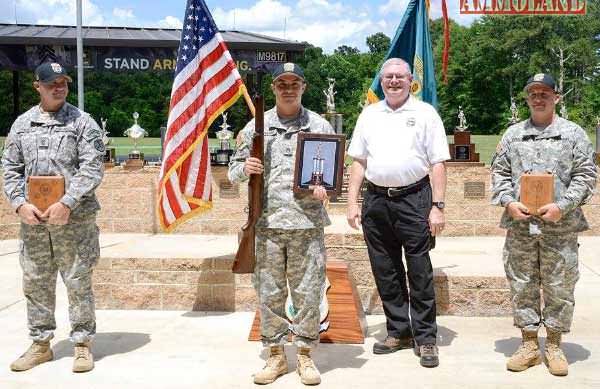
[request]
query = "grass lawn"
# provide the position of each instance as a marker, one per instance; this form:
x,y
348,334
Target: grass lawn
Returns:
x,y
484,145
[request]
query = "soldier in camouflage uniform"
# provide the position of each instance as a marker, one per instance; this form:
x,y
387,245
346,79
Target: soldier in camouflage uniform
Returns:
x,y
56,139
289,239
541,251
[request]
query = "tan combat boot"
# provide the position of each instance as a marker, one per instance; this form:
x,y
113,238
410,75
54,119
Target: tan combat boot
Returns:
x,y
36,354
83,360
309,375
553,355
276,366
528,353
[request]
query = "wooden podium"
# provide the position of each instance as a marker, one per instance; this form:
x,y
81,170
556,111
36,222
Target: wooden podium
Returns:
x,y
347,323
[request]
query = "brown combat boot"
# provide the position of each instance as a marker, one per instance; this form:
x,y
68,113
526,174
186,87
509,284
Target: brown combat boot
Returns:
x,y
36,354
276,366
83,360
309,375
528,353
554,358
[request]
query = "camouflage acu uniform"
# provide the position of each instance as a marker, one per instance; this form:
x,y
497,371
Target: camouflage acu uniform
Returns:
x,y
289,241
539,253
67,143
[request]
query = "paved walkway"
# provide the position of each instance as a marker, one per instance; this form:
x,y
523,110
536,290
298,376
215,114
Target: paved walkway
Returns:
x,y
154,349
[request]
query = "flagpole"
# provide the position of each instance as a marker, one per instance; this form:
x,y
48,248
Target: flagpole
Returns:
x,y
249,101
80,100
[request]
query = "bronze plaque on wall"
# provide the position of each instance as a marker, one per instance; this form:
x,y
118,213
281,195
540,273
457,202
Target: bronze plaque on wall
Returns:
x,y
227,190
474,189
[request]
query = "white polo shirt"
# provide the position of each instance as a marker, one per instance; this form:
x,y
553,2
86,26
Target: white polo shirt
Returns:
x,y
401,145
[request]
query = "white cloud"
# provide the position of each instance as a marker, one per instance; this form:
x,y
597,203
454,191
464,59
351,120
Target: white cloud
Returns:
x,y
122,13
64,12
170,22
264,15
394,7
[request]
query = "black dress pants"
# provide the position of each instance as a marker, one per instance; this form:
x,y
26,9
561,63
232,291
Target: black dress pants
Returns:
x,y
391,224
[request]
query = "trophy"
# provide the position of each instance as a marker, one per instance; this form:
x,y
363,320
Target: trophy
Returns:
x,y
462,150
110,153
597,153
223,153
135,132
316,177
514,119
334,118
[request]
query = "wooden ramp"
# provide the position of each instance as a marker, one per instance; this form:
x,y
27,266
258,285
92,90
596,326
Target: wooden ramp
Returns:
x,y
346,317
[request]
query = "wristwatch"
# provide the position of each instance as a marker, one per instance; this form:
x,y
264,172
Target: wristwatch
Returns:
x,y
439,204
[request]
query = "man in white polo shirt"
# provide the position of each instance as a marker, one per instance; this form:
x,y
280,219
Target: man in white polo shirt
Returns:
x,y
398,143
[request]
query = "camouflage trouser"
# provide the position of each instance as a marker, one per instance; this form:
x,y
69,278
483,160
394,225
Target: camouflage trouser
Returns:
x,y
542,261
72,250
297,256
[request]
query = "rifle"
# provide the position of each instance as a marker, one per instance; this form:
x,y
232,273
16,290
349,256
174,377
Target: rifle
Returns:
x,y
245,259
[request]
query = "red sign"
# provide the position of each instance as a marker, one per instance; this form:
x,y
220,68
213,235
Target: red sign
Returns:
x,y
523,7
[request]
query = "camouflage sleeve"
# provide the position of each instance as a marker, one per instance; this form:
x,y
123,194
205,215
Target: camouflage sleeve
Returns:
x,y
90,149
583,174
501,175
13,165
242,151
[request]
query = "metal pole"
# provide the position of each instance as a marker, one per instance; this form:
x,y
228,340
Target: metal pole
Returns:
x,y
80,100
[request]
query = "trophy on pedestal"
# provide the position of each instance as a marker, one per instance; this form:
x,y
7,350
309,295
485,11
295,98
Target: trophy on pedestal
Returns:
x,y
462,150
597,154
110,153
223,153
514,111
135,132
334,118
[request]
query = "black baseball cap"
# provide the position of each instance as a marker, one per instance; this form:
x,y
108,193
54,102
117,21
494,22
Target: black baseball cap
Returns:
x,y
541,79
47,72
288,68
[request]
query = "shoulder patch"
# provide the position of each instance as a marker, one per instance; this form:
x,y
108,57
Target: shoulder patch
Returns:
x,y
99,145
93,133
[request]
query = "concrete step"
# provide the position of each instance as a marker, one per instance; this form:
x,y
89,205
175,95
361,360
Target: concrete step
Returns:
x,y
192,272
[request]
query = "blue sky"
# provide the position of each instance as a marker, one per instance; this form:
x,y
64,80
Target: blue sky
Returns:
x,y
325,23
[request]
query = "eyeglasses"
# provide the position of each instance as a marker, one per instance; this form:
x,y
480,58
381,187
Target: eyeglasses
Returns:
x,y
399,77
540,96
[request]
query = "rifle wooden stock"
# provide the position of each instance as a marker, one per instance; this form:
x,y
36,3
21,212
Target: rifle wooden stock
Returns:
x,y
245,259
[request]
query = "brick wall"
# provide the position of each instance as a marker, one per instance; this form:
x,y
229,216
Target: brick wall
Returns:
x,y
128,205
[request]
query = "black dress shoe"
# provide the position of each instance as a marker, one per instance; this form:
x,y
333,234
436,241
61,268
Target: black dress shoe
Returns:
x,y
429,355
391,344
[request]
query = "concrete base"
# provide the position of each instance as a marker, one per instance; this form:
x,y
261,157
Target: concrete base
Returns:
x,y
184,349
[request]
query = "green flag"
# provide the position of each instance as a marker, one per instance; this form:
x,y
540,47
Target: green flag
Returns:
x,y
412,43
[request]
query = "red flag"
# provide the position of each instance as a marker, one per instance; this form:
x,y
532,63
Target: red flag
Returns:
x,y
446,52
206,84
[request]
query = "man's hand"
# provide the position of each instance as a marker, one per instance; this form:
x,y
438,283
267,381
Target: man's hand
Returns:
x,y
436,221
550,212
319,193
518,210
253,166
57,213
30,214
353,215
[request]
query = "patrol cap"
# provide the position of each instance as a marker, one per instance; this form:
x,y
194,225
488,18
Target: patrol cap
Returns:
x,y
47,72
541,79
288,68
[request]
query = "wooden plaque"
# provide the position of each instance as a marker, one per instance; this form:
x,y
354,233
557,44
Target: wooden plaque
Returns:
x,y
347,323
43,191
537,190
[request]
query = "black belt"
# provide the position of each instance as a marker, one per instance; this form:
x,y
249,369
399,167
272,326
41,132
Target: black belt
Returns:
x,y
398,190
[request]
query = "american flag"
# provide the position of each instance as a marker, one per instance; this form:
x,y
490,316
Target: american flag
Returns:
x,y
206,84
